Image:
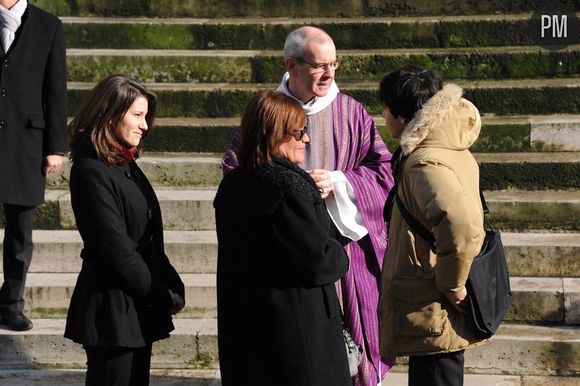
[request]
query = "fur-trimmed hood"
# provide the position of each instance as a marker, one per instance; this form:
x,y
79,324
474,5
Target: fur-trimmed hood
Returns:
x,y
446,121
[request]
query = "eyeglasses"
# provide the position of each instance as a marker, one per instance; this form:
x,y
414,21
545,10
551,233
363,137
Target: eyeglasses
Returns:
x,y
299,134
321,67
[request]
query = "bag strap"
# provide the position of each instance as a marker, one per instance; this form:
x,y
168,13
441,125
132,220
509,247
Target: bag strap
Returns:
x,y
415,225
423,232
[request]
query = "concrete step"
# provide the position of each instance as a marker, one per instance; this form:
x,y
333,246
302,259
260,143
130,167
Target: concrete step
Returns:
x,y
48,295
526,171
551,133
189,251
190,209
528,254
536,299
192,345
506,97
64,377
68,377
516,349
181,209
251,66
253,8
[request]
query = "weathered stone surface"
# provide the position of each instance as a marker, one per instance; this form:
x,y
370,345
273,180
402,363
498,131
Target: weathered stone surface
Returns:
x,y
544,96
559,134
280,8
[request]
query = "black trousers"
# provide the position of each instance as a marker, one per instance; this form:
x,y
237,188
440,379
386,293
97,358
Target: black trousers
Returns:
x,y
17,256
437,369
118,366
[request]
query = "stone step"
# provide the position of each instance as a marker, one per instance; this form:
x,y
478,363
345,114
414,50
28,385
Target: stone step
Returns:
x,y
211,66
279,8
515,350
186,209
504,97
536,300
526,171
270,33
64,377
528,254
58,251
48,295
192,345
551,133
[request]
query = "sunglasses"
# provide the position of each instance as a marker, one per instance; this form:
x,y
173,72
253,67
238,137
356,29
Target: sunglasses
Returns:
x,y
299,134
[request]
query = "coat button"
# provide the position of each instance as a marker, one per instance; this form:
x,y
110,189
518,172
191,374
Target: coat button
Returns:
x,y
128,175
3,92
150,213
3,124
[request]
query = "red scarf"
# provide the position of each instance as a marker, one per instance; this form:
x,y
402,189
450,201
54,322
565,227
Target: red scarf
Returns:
x,y
124,154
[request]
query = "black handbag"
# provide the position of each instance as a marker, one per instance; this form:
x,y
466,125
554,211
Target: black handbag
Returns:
x,y
488,284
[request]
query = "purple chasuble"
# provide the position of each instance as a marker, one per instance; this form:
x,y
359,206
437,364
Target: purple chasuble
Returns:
x,y
344,137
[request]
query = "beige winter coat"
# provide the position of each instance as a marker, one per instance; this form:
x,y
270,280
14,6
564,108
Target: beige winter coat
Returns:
x,y
439,185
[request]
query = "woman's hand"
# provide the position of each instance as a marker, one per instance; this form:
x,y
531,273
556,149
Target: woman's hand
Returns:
x,y
178,302
323,181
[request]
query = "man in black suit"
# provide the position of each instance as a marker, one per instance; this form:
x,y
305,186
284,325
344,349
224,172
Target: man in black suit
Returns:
x,y
33,137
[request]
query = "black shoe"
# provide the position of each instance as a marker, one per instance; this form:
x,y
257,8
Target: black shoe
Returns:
x,y
17,321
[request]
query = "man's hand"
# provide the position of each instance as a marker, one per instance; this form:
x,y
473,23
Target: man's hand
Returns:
x,y
323,181
52,163
458,300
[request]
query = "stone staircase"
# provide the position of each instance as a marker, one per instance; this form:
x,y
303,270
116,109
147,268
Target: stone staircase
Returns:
x,y
204,61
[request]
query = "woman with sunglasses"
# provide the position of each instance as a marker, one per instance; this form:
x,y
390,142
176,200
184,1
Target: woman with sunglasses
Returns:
x,y
279,319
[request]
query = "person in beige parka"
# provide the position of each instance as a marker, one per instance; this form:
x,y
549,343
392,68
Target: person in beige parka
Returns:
x,y
422,295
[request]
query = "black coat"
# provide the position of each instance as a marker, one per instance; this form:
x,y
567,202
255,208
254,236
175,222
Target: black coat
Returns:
x,y
121,297
279,320
33,107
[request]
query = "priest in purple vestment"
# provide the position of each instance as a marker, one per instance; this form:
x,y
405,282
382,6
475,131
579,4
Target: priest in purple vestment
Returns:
x,y
350,164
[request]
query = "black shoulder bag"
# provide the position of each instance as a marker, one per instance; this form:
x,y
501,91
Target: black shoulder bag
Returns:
x,y
488,284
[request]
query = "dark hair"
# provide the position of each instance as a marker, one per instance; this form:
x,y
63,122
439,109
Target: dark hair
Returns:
x,y
404,91
270,120
105,108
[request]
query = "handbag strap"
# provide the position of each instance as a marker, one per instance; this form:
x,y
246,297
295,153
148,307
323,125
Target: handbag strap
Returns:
x,y
415,225
423,232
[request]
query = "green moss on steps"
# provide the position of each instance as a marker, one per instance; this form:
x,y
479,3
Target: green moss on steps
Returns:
x,y
161,69
530,176
232,68
504,138
213,139
282,8
46,216
154,35
271,35
203,103
530,216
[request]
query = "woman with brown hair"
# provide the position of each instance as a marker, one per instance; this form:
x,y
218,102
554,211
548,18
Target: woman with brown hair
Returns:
x,y
127,289
279,319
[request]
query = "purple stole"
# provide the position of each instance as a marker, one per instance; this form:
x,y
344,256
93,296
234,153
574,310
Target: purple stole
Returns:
x,y
344,137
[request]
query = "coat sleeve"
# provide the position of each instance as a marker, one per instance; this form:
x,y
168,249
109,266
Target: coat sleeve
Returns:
x,y
298,252
102,227
456,221
54,96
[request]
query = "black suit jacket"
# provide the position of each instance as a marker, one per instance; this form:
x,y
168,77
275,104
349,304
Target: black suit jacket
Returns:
x,y
33,106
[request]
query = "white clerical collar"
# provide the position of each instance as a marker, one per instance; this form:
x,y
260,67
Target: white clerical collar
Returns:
x,y
314,105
